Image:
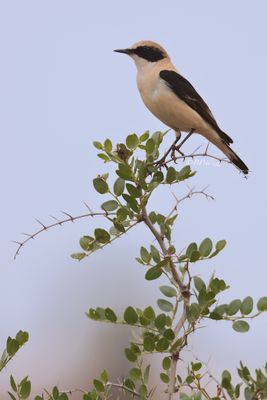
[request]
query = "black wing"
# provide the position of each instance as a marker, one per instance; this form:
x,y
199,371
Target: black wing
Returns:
x,y
186,92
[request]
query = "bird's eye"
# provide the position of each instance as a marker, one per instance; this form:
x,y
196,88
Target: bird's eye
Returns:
x,y
149,53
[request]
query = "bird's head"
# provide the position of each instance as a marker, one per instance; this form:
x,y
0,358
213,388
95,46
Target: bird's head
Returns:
x,y
145,53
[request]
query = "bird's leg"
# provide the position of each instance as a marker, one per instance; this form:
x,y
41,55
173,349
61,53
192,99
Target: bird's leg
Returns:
x,y
177,148
161,161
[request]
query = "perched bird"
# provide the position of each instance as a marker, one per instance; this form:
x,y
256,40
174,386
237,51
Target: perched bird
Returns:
x,y
174,101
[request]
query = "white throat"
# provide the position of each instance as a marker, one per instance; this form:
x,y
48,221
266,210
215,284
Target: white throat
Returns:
x,y
142,64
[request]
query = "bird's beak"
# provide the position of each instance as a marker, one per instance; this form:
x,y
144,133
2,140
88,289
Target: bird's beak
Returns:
x,y
124,51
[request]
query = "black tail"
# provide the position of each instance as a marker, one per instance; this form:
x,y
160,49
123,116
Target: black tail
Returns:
x,y
235,159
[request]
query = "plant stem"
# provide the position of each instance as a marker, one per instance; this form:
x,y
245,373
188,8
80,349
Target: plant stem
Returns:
x,y
184,292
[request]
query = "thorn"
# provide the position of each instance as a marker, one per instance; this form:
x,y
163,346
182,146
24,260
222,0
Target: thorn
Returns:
x,y
44,227
195,151
88,208
27,234
56,219
68,215
19,243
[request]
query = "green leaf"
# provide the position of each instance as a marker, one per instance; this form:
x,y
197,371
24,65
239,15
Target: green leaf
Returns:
x,y
195,256
233,307
103,157
25,389
205,247
155,254
133,190
189,379
78,256
153,273
160,321
132,141
13,384
149,313
150,146
184,172
110,315
184,396
190,249
262,304
168,291
130,355
165,305
237,390
149,344
248,394
199,284
240,326
130,315
122,214
86,243
108,145
153,217
166,363
125,172
118,187
129,383
12,346
100,185
131,202
145,255
169,334
220,245
102,236
162,345
110,205
22,337
93,314
55,392
98,145
146,374
118,226
143,392
193,312
135,374
12,396
63,396
144,136
221,309
99,387
246,306
164,377
171,175
196,366
104,376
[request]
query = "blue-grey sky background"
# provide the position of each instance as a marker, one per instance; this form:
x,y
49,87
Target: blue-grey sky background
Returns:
x,y
61,87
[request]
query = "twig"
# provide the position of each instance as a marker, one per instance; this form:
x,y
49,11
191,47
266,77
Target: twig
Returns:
x,y
69,218
194,155
122,387
190,193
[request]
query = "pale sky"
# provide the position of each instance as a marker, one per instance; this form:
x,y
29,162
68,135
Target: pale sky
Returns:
x,y
63,87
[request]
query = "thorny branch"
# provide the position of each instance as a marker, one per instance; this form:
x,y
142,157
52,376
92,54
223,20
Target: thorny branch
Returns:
x,y
71,218
58,222
194,154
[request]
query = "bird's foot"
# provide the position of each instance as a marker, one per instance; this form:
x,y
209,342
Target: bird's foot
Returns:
x,y
174,150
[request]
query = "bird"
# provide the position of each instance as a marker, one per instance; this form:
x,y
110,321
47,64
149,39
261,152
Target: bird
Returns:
x,y
174,100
